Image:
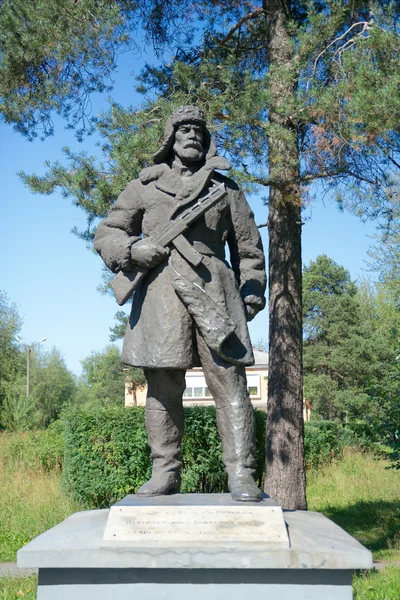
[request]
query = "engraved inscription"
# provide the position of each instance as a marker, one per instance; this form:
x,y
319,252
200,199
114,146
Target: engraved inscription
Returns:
x,y
194,523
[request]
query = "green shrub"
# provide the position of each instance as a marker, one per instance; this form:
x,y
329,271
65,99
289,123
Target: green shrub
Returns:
x,y
202,452
107,455
322,442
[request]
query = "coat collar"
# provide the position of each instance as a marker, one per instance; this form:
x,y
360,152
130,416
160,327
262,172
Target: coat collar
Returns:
x,y
184,189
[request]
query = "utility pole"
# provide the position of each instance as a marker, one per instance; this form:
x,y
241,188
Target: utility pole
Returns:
x,y
28,349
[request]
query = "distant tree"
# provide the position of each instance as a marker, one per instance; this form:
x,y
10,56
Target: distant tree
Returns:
x,y
344,354
53,386
104,379
260,344
385,259
381,310
11,361
117,332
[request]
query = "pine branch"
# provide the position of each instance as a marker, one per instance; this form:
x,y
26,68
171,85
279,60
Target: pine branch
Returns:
x,y
367,25
253,15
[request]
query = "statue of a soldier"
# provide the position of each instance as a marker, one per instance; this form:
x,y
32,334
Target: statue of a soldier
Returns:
x,y
191,307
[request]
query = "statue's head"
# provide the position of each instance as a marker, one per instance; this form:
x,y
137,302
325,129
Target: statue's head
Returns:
x,y
186,136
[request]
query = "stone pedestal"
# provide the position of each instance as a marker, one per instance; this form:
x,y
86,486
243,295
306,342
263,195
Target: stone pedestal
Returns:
x,y
152,548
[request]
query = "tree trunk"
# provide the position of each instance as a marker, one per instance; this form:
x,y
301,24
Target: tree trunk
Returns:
x,y
285,476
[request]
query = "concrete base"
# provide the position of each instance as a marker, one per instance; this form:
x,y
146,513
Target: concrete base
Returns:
x,y
178,584
76,564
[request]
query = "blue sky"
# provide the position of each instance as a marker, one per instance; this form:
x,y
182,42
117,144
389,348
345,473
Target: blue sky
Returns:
x,y
52,277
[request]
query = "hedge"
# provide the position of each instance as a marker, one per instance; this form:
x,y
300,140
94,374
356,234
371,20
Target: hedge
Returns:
x,y
107,456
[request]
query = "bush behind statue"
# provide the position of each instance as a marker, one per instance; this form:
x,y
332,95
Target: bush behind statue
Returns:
x,y
107,455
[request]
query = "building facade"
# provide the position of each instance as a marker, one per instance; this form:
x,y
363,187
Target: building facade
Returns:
x,y
197,393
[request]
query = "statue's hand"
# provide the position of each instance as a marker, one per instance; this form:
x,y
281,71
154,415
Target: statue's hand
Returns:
x,y
146,254
251,311
252,305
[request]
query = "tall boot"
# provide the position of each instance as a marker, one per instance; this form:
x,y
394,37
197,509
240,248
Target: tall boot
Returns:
x,y
235,420
164,424
236,427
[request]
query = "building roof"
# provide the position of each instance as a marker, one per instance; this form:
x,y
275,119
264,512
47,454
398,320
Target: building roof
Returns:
x,y
260,359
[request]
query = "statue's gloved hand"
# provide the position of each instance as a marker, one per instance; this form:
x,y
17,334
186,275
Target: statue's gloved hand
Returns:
x,y
251,311
252,305
147,255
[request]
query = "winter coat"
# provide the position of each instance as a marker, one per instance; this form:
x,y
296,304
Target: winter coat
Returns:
x,y
175,299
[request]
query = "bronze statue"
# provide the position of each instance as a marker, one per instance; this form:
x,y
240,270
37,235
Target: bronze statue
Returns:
x,y
165,237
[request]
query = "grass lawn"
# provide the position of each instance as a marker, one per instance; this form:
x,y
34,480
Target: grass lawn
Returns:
x,y
13,589
362,495
31,501
358,493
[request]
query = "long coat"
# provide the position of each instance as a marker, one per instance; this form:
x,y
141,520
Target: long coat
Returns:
x,y
176,301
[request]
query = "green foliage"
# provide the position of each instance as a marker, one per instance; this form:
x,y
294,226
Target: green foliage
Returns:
x,y
104,376
322,442
54,54
381,309
103,380
343,355
342,114
35,449
52,386
107,455
10,356
351,350
118,331
31,500
18,412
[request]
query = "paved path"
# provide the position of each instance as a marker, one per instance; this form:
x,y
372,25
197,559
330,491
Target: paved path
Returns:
x,y
11,570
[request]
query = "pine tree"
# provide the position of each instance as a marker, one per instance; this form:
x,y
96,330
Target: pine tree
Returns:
x,y
344,353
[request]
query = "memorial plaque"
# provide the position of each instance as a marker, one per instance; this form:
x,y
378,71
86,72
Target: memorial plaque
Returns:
x,y
197,525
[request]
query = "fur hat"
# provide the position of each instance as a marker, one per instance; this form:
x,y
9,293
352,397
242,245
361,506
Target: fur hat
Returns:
x,y
183,114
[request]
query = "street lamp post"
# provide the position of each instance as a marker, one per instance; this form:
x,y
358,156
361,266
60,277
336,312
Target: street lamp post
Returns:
x,y
28,350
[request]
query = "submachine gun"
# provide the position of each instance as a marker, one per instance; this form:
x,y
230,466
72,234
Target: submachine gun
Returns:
x,y
125,282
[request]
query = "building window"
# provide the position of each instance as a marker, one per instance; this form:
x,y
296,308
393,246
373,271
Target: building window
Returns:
x,y
253,385
188,393
198,392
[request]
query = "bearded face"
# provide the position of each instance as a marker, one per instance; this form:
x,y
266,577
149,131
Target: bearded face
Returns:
x,y
188,145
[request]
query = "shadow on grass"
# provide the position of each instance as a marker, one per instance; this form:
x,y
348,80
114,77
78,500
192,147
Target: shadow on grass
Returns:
x,y
375,524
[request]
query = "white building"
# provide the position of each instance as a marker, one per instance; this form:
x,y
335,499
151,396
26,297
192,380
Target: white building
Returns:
x,y
197,392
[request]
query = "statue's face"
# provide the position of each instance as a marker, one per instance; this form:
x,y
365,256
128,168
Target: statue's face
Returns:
x,y
188,145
